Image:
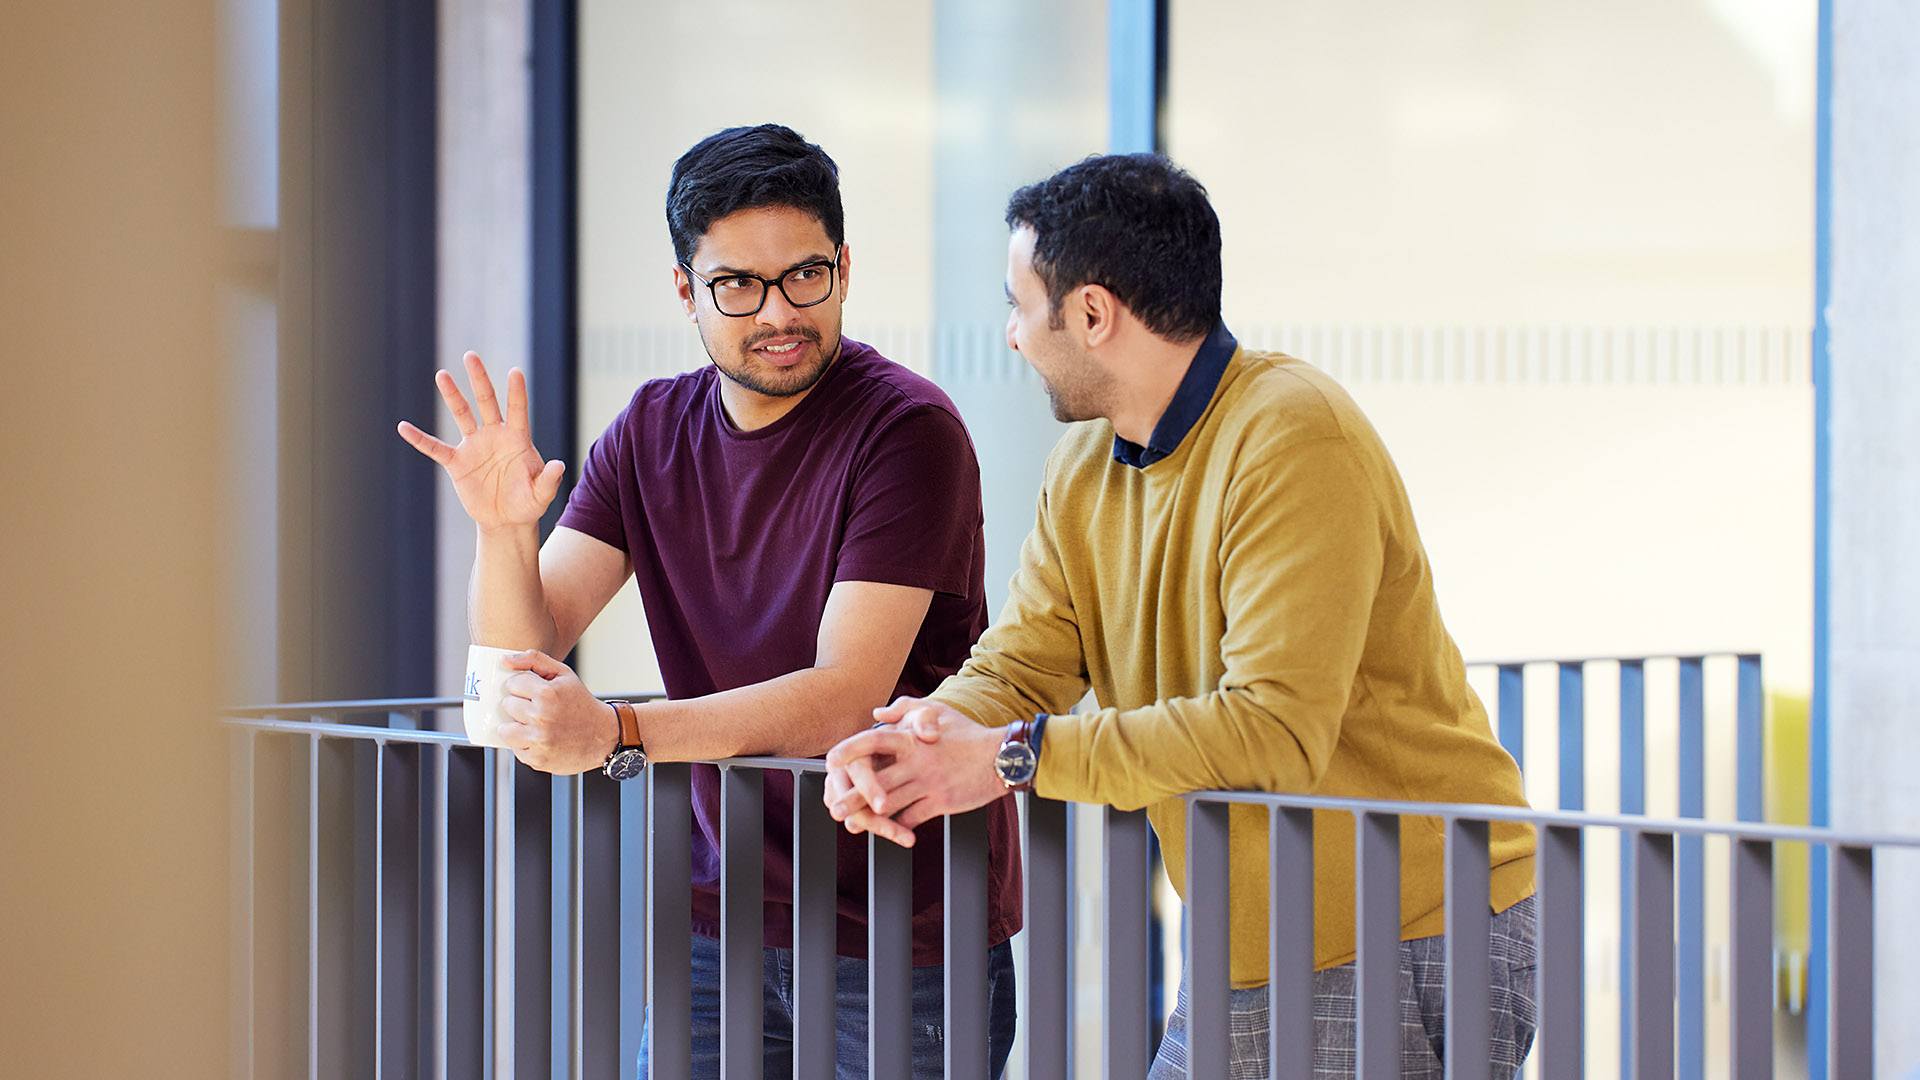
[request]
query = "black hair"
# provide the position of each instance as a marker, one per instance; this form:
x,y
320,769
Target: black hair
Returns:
x,y
1136,224
745,168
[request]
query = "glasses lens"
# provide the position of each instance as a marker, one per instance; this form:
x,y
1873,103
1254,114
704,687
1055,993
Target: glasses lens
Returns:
x,y
806,285
738,295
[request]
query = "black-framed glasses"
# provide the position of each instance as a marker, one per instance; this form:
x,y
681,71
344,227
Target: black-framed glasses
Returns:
x,y
741,295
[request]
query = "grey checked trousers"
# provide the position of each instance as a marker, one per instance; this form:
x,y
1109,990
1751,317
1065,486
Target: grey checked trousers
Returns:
x,y
1511,959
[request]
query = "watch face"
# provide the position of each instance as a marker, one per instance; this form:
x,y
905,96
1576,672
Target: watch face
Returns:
x,y
1015,763
626,764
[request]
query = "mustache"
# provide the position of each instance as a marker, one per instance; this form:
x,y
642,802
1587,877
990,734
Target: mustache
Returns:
x,y
807,332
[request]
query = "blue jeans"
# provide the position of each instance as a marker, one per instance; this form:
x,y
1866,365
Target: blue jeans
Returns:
x,y
850,1025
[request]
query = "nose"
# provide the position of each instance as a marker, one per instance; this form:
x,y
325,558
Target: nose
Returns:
x,y
776,311
1011,343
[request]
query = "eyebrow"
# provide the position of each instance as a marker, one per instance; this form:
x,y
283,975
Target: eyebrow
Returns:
x,y
734,271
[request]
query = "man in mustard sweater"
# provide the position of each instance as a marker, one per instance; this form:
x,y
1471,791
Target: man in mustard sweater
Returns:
x,y
1225,555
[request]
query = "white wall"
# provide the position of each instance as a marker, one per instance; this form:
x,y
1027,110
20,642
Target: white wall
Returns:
x,y
1874,579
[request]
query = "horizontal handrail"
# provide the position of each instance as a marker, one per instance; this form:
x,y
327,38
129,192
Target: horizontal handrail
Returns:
x,y
1737,830
1621,658
1467,811
373,705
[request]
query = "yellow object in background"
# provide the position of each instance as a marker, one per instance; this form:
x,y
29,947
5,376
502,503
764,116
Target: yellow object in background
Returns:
x,y
1789,800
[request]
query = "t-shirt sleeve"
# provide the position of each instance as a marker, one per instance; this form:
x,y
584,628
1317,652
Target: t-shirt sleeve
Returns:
x,y
594,507
914,517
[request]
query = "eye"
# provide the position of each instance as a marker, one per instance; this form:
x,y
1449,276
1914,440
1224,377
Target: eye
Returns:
x,y
734,284
807,273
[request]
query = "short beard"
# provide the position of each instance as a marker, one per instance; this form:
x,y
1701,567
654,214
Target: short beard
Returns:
x,y
1081,391
794,383
1067,409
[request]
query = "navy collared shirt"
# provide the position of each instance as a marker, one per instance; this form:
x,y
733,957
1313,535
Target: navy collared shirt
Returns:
x,y
1189,401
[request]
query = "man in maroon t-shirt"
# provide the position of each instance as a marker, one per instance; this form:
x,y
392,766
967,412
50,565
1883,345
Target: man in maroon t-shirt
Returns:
x,y
803,522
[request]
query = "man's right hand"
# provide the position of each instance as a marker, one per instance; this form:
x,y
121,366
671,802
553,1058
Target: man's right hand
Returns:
x,y
496,470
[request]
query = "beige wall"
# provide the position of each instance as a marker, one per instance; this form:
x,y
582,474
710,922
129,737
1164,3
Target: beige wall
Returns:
x,y
113,812
1548,161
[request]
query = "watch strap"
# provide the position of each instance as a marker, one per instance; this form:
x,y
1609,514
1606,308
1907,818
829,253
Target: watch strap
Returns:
x,y
1021,732
629,719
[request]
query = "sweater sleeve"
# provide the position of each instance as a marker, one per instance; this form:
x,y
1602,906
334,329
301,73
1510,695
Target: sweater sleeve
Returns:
x,y
1031,660
1302,553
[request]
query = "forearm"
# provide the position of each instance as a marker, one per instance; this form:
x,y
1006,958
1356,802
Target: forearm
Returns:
x,y
1227,740
802,714
991,700
506,604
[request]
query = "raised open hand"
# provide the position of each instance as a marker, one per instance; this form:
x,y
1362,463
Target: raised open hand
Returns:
x,y
496,470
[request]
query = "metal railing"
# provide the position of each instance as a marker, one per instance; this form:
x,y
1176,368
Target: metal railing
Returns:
x,y
411,905
1573,677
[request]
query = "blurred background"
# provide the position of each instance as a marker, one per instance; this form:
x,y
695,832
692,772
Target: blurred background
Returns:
x,y
1627,289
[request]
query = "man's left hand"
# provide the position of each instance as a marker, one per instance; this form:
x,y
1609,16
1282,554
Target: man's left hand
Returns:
x,y
553,722
931,760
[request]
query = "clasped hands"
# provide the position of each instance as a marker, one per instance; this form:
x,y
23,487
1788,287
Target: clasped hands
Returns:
x,y
919,761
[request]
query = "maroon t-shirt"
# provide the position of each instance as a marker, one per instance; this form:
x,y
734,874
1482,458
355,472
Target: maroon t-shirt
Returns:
x,y
736,538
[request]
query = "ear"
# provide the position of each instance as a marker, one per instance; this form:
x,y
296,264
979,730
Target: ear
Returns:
x,y
683,288
846,269
1101,311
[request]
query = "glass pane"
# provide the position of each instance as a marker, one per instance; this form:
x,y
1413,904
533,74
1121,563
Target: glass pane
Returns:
x,y
1563,254
949,107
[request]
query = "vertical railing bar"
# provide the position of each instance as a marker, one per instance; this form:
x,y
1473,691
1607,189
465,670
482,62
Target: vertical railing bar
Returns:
x,y
1750,736
1208,959
1043,825
1692,872
439,900
1751,1000
1651,1003
1512,704
889,958
466,949
1072,1004
670,921
1377,945
502,912
1469,1031
240,816
313,907
632,921
404,778
1124,952
1290,943
1561,1039
489,902
1573,735
379,907
1633,800
742,922
815,928
539,902
966,947
1850,983
345,887
601,955
568,885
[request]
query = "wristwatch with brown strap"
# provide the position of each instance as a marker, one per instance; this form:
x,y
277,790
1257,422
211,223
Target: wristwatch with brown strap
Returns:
x,y
1019,756
628,757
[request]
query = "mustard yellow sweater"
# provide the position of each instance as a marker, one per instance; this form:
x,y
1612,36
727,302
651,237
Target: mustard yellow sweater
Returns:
x,y
1253,612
